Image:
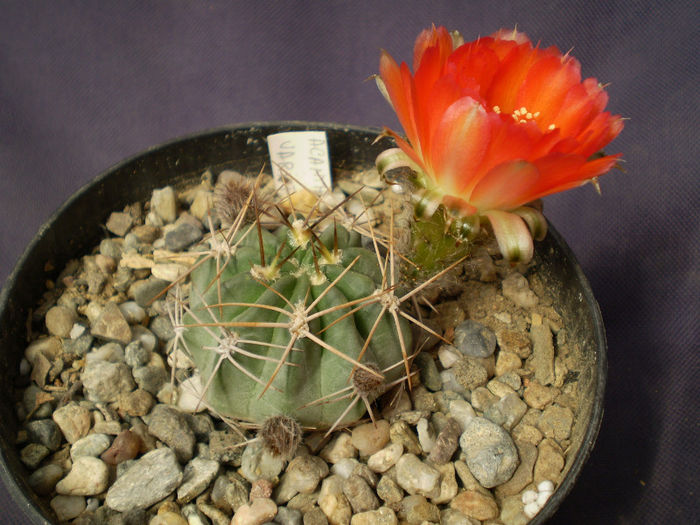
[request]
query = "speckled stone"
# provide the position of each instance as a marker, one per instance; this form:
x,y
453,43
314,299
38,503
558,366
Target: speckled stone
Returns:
x,y
150,479
491,455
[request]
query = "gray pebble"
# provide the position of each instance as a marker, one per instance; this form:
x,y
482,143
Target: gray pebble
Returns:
x,y
136,355
507,411
491,454
45,432
111,352
163,328
110,248
287,516
149,480
230,492
78,347
44,479
67,507
146,290
132,312
103,382
91,445
170,426
429,374
184,235
144,336
225,447
474,339
193,515
150,378
197,476
33,454
359,494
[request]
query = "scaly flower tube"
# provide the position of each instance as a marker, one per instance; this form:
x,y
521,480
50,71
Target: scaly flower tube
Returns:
x,y
494,124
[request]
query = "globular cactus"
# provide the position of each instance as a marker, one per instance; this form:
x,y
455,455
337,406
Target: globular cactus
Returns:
x,y
295,323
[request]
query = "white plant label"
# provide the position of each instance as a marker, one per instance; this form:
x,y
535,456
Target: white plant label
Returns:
x,y
300,159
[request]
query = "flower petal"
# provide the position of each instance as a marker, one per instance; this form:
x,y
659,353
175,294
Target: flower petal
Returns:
x,y
438,38
398,87
546,85
459,144
503,187
535,221
512,234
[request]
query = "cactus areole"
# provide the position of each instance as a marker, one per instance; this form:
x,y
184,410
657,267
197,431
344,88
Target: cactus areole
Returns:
x,y
282,322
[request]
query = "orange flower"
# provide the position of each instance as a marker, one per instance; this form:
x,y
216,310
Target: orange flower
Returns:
x,y
496,123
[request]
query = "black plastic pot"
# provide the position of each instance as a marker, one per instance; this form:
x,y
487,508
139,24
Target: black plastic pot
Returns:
x,y
77,226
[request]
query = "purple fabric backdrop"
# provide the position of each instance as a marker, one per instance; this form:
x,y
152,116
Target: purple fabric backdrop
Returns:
x,y
86,84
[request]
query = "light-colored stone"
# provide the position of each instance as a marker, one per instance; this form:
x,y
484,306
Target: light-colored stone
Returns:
x,y
381,516
67,507
88,476
386,458
59,320
476,505
416,477
339,448
259,511
370,437
73,420
150,479
198,474
164,204
491,455
333,502
90,445
111,325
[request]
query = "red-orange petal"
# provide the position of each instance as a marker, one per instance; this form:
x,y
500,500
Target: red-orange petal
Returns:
x,y
459,144
546,85
503,186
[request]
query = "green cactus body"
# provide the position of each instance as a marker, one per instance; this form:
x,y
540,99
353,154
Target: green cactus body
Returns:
x,y
219,334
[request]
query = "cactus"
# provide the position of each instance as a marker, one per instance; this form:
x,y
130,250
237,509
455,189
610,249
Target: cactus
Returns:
x,y
294,323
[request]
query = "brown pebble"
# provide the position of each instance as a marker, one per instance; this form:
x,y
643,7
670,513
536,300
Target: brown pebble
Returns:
x,y
125,446
446,442
261,488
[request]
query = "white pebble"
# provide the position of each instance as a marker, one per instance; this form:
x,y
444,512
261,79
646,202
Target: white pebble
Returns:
x,y
462,412
448,356
531,509
425,435
76,331
386,458
546,486
529,496
190,395
344,467
542,498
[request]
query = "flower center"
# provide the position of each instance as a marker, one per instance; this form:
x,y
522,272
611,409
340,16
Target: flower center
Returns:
x,y
522,116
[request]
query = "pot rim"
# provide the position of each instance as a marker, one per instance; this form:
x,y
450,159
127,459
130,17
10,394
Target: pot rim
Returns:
x,y
17,486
